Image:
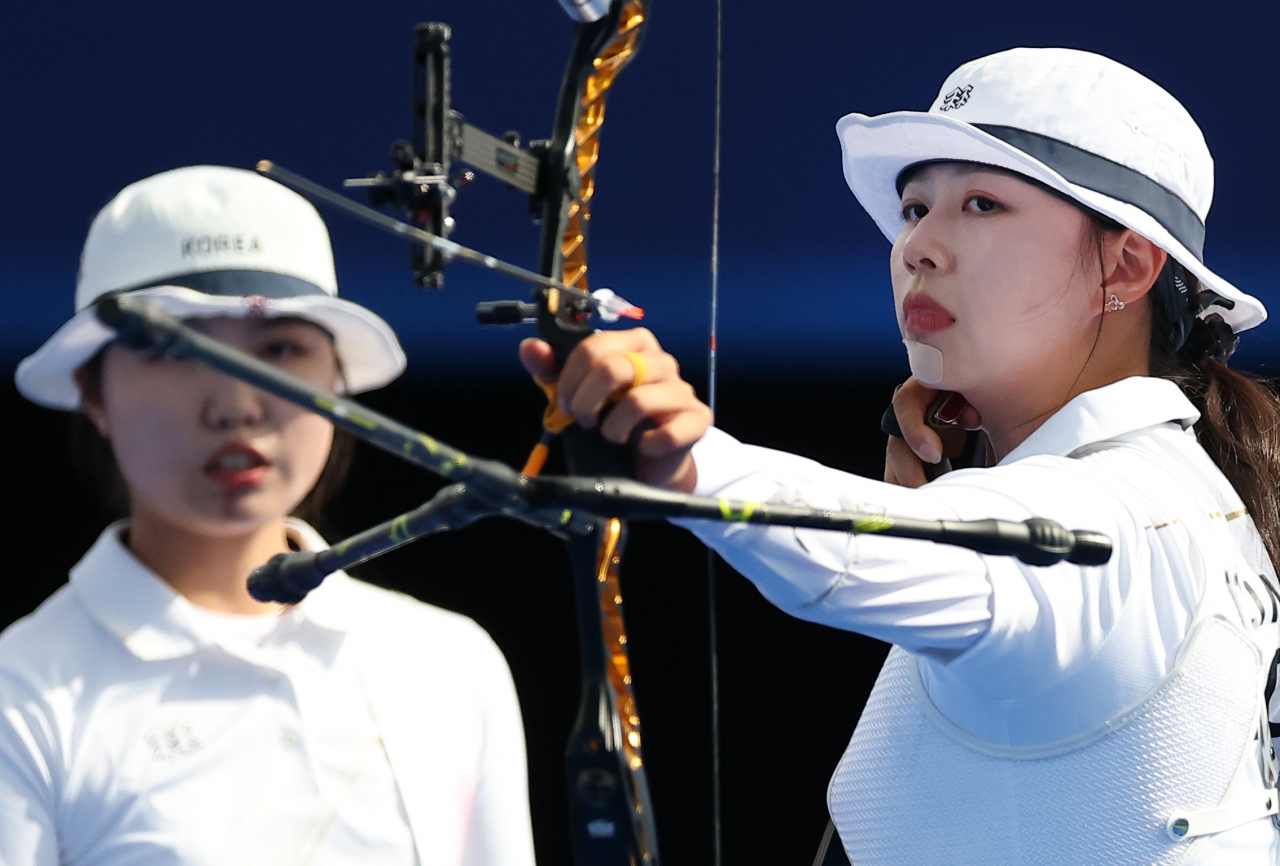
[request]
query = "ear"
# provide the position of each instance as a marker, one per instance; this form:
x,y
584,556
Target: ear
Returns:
x,y
91,403
1133,263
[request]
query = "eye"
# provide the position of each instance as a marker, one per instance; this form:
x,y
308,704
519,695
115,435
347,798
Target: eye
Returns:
x,y
280,350
151,359
914,212
981,204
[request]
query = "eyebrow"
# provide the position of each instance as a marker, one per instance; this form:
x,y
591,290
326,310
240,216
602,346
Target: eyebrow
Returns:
x,y
909,173
268,322
272,322
965,167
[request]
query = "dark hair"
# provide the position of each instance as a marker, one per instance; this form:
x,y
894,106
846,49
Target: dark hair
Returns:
x,y
1239,424
95,462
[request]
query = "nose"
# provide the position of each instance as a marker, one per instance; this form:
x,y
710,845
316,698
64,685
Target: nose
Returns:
x,y
230,404
925,247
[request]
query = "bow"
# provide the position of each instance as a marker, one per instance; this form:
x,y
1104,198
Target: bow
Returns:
x,y
610,807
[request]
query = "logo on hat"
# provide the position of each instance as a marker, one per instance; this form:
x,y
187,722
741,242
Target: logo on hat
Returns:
x,y
256,306
956,98
204,245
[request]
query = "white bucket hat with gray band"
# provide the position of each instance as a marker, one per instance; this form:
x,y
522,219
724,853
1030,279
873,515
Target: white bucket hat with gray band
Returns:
x,y
1081,124
207,241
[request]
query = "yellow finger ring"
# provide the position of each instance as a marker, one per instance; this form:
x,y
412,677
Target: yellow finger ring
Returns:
x,y
641,367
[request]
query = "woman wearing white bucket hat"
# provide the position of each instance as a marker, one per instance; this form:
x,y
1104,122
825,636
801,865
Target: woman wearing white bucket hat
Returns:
x,y
1047,219
151,711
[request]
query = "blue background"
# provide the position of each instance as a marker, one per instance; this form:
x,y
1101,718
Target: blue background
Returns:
x,y
99,95
95,96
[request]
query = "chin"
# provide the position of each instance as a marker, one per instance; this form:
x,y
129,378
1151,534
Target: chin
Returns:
x,y
232,515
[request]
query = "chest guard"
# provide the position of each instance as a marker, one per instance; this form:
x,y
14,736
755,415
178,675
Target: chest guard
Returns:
x,y
1192,758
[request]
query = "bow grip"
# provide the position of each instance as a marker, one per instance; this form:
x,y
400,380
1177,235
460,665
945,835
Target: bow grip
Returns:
x,y
586,451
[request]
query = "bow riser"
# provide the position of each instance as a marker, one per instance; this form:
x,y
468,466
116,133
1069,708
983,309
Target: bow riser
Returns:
x,y
611,811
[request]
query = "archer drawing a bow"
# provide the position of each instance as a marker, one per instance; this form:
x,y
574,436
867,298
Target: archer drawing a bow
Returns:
x,y
611,810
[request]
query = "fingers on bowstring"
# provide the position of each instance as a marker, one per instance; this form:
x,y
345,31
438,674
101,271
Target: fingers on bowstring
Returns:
x,y
911,405
902,466
954,440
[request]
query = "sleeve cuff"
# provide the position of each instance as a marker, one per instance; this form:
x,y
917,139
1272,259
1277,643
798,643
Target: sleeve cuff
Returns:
x,y
717,458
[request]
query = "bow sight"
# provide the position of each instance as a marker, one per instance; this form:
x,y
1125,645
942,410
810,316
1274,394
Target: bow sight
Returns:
x,y
557,174
422,186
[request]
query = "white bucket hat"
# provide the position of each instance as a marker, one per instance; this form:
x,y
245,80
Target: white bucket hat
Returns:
x,y
207,241
1082,124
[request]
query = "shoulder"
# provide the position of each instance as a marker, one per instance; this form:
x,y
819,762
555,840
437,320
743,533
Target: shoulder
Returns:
x,y
45,660
367,603
400,620
1147,472
56,642
419,656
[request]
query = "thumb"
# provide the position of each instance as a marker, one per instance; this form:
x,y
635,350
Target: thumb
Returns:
x,y
539,360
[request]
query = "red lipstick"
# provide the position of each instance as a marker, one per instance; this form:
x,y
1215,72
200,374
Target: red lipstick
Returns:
x,y
924,315
237,467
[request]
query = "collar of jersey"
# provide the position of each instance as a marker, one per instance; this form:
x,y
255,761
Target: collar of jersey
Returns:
x,y
152,620
1109,412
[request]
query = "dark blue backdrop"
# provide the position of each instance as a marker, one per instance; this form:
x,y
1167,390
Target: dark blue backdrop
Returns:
x,y
98,95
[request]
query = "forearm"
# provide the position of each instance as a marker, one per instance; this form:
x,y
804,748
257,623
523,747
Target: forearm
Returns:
x,y
915,594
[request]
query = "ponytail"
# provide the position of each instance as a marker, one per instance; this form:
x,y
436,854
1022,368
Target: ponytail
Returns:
x,y
1239,422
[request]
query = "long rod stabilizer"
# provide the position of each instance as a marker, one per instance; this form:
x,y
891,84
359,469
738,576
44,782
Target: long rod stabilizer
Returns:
x,y
562,504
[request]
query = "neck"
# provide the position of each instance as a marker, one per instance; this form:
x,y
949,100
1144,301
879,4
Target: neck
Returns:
x,y
1012,411
209,570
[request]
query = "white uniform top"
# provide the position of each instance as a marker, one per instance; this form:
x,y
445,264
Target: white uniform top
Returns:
x,y
1012,655
359,726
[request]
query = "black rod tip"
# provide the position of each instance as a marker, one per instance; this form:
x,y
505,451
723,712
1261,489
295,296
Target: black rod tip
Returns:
x,y
287,578
1089,548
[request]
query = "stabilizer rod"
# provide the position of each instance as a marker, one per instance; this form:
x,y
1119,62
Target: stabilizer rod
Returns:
x,y
288,577
559,504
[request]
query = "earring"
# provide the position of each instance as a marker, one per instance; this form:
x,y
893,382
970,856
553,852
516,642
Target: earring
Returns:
x,y
1115,305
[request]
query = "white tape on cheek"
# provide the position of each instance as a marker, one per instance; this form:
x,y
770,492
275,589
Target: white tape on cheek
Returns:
x,y
926,362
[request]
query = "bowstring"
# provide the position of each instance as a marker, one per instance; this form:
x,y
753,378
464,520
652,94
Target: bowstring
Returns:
x,y
712,352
